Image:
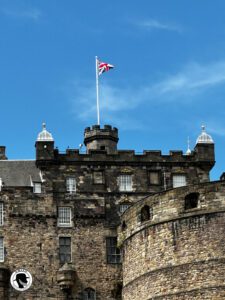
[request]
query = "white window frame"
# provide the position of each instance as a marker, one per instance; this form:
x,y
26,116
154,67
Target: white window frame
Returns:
x,y
1,213
37,188
64,216
71,185
2,256
179,180
125,183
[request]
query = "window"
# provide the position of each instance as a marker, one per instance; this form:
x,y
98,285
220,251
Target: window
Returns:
x,y
1,213
71,185
37,188
125,183
89,294
146,213
64,249
64,216
191,201
112,251
179,180
123,207
154,178
1,184
98,177
1,249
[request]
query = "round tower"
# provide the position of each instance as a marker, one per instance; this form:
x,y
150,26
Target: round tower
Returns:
x,y
174,245
96,138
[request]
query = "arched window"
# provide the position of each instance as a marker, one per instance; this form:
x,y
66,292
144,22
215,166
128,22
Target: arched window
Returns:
x,y
89,294
146,213
191,201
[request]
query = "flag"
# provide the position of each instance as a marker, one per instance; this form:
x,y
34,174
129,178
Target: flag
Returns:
x,y
103,67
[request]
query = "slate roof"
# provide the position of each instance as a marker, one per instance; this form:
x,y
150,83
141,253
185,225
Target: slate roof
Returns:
x,y
19,172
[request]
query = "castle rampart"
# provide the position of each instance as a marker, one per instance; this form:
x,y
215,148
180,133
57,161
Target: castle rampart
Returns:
x,y
174,244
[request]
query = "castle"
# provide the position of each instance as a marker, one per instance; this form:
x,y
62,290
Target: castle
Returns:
x,y
111,224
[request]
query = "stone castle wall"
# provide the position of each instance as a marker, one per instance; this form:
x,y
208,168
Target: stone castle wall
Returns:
x,y
178,254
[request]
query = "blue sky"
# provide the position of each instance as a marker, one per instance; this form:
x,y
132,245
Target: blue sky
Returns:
x,y
169,75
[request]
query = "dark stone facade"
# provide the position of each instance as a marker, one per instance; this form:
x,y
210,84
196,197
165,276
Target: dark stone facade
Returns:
x,y
106,181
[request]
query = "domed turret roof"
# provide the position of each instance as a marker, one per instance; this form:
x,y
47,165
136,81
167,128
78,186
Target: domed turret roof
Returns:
x,y
204,138
44,135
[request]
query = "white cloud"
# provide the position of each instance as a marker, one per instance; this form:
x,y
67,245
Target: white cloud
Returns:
x,y
157,25
32,13
194,77
119,103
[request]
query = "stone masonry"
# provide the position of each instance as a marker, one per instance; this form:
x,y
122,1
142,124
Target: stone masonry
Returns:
x,y
171,252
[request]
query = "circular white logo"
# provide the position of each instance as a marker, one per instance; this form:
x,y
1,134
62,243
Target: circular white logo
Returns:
x,y
21,280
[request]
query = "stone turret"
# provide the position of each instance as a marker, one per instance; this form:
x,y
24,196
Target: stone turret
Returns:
x,y
44,145
205,147
96,138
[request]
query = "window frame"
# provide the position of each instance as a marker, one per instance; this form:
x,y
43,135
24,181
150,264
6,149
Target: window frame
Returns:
x,y
62,262
127,204
64,224
70,190
179,175
93,177
159,177
113,253
125,185
37,187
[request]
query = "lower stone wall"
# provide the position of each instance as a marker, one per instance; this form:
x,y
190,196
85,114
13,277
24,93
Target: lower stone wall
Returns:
x,y
178,259
179,282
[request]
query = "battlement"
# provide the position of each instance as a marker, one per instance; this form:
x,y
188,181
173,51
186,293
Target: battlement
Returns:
x,y
106,128
131,156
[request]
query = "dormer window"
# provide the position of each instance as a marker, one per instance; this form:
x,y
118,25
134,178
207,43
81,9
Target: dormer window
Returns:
x,y
37,188
71,185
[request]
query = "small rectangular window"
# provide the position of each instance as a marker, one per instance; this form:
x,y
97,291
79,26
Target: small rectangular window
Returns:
x,y
37,188
125,183
98,177
64,249
154,178
71,185
112,251
64,216
1,249
179,180
1,213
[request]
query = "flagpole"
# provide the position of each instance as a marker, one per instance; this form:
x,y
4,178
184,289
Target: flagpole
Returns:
x,y
97,90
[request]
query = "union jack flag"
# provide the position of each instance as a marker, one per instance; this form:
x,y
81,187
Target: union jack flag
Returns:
x,y
103,67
